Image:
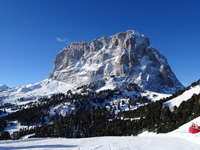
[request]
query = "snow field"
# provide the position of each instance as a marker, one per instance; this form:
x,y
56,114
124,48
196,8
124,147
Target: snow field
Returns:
x,y
148,142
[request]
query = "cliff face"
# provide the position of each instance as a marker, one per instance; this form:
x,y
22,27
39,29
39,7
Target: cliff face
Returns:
x,y
118,60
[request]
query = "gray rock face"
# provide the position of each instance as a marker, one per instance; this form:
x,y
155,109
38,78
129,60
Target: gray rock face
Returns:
x,y
118,60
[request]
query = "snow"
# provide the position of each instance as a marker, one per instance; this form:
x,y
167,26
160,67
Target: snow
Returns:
x,y
154,96
109,85
14,126
183,130
34,91
21,96
62,109
27,136
183,97
143,142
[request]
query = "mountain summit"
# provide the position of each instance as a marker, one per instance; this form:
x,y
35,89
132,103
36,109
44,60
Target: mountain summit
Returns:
x,y
116,62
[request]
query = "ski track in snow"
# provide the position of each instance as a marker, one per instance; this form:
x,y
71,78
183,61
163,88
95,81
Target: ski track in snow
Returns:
x,y
143,142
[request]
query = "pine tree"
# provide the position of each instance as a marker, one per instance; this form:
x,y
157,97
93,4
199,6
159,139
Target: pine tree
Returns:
x,y
5,135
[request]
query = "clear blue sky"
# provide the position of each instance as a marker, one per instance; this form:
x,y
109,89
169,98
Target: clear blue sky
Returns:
x,y
32,32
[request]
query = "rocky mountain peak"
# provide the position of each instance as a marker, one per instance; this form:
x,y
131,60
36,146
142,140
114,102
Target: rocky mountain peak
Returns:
x,y
115,62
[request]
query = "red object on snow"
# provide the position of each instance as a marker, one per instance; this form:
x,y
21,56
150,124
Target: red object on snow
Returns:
x,y
194,129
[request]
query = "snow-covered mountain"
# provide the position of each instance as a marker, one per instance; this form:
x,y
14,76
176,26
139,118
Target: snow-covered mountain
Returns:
x,y
34,91
3,87
118,60
123,62
107,63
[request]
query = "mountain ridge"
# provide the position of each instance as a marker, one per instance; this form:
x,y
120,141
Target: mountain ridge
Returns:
x,y
3,87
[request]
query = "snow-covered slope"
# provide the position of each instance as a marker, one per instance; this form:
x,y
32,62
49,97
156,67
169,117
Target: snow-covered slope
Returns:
x,y
23,95
183,97
122,58
151,142
184,128
34,91
47,87
153,96
182,131
3,87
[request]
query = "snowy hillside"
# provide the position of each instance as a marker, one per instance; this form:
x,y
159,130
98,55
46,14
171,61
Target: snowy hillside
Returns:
x,y
183,97
184,128
32,92
182,131
3,87
25,98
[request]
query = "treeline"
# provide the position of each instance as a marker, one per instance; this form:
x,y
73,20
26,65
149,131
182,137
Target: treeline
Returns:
x,y
37,113
89,120
101,122
156,118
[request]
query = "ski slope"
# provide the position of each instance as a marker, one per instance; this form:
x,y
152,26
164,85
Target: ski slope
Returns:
x,y
183,130
183,97
147,142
